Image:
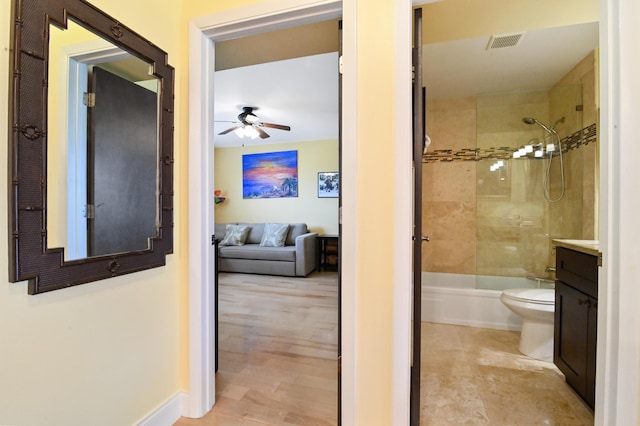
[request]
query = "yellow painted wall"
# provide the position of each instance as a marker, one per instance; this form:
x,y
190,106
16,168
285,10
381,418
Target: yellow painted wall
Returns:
x,y
320,214
118,348
105,353
374,318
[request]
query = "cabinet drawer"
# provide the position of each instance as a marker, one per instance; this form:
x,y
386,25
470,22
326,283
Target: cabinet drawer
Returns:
x,y
580,270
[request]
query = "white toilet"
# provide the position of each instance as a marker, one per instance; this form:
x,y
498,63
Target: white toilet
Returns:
x,y
536,307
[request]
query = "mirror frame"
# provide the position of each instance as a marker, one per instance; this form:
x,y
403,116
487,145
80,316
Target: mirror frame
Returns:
x,y
29,257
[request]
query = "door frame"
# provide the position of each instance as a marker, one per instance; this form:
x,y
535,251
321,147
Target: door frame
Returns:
x,y
204,32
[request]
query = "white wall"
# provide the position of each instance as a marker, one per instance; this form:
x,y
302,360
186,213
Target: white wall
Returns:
x,y
618,355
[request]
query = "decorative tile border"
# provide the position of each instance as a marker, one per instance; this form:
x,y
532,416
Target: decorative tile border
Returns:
x,y
569,143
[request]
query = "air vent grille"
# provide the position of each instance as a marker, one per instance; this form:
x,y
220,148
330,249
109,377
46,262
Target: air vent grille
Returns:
x,y
504,40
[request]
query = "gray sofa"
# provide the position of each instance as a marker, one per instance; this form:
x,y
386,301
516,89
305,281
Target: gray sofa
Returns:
x,y
296,259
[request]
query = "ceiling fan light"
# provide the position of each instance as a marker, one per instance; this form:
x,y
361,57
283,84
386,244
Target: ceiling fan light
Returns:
x,y
251,132
239,131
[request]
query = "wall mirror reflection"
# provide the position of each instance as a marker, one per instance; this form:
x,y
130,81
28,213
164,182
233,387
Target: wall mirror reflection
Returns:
x,y
103,146
91,150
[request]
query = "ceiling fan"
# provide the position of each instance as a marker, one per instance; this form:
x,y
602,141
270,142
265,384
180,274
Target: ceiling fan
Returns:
x,y
250,125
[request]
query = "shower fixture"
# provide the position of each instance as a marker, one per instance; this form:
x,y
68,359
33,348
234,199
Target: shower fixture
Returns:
x,y
551,148
552,129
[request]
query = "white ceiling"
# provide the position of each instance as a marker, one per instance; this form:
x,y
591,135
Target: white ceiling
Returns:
x,y
303,92
466,68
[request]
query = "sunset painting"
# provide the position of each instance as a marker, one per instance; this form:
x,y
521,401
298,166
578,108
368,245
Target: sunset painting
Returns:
x,y
270,175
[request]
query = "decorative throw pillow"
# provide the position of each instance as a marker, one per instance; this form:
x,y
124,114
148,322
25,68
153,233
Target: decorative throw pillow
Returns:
x,y
235,235
274,234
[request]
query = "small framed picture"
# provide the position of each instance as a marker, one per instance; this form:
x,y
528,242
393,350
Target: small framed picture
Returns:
x,y
328,184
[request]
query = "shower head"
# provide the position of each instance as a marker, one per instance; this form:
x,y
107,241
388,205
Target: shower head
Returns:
x,y
560,120
531,120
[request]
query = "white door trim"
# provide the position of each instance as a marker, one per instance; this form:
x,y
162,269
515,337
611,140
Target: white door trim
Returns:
x,y
203,32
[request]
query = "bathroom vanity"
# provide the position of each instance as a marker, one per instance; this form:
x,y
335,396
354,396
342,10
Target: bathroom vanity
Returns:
x,y
576,314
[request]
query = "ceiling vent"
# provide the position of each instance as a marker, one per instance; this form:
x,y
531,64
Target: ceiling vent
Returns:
x,y
504,40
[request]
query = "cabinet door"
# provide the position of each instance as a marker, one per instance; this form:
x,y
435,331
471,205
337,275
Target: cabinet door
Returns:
x,y
571,336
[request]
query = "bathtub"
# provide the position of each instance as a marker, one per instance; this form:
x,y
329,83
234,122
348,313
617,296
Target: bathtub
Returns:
x,y
455,299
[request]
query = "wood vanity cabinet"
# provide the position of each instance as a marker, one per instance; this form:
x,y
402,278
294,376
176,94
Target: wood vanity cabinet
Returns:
x,y
576,316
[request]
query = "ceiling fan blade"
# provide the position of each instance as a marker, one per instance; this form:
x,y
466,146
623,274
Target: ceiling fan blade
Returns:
x,y
261,132
229,130
276,126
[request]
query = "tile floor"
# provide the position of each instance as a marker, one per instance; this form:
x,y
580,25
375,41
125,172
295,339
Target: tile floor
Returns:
x,y
476,376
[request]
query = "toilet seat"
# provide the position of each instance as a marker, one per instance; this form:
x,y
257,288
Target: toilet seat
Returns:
x,y
542,296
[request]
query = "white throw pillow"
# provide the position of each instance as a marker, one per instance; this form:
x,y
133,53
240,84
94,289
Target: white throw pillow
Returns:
x,y
235,235
274,234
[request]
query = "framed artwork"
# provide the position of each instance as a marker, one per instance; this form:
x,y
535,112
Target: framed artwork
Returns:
x,y
328,184
270,175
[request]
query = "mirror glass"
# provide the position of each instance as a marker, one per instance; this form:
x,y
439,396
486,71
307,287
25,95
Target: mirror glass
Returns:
x,y
103,102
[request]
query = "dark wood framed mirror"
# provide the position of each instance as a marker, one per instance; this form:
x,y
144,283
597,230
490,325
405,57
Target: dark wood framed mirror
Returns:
x,y
84,181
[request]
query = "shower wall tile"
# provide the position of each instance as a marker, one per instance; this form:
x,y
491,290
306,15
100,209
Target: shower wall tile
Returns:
x,y
585,73
500,117
451,123
589,185
589,96
451,226
450,220
427,183
449,256
567,102
454,181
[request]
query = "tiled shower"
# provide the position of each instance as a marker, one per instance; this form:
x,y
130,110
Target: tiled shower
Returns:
x,y
484,210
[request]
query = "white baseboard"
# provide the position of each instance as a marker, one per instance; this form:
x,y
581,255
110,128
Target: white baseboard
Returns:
x,y
467,306
168,413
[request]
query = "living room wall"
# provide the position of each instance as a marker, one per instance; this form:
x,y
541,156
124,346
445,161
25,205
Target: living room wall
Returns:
x,y
320,214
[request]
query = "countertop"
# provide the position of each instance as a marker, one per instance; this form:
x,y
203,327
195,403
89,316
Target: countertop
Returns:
x,y
584,246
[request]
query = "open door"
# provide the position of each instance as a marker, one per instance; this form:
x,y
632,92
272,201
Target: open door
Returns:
x,y
418,147
122,170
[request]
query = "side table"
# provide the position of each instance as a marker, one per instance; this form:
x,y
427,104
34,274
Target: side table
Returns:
x,y
327,253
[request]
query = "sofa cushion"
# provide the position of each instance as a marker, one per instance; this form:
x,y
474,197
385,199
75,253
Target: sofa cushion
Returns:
x,y
235,235
257,252
274,234
255,234
295,230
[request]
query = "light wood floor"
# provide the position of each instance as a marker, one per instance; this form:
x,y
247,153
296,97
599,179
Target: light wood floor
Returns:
x,y
278,351
278,345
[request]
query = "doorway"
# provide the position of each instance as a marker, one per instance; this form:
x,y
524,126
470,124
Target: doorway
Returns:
x,y
204,35
278,335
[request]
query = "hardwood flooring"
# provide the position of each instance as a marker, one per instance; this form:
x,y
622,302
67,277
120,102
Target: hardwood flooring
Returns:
x,y
278,349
